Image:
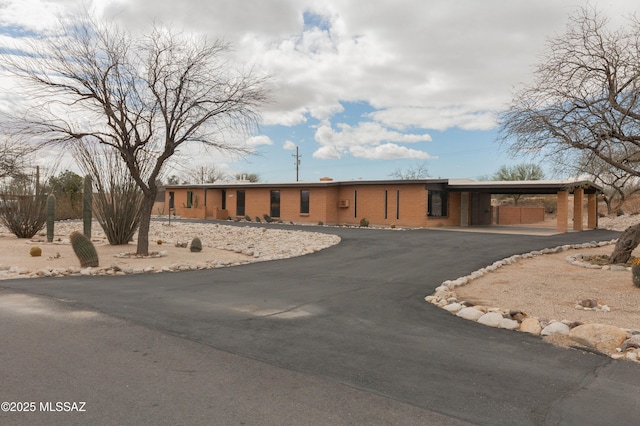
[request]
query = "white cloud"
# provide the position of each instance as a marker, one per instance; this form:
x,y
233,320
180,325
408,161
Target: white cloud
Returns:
x,y
289,146
388,151
258,140
368,140
327,153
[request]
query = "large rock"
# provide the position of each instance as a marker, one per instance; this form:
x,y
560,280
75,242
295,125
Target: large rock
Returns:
x,y
470,313
633,342
601,337
531,326
492,319
555,328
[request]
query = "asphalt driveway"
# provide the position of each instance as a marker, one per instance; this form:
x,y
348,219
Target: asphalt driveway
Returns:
x,y
353,317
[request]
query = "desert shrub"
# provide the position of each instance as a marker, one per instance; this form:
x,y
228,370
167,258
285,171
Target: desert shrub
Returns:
x,y
23,214
35,251
364,222
258,219
320,223
267,218
118,200
247,218
159,242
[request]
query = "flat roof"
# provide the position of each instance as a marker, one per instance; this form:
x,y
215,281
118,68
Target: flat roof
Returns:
x,y
457,185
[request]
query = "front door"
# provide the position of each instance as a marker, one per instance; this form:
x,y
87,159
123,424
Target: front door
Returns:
x,y
480,208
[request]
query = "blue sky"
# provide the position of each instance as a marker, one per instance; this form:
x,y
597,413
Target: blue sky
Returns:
x,y
362,91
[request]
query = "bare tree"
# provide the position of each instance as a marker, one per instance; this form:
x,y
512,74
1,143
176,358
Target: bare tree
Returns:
x,y
417,171
617,185
205,174
144,97
13,156
585,97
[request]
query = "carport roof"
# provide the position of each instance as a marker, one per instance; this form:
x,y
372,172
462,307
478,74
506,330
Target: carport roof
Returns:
x,y
522,186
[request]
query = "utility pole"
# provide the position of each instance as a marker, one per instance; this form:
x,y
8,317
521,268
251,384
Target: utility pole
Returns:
x,y
297,157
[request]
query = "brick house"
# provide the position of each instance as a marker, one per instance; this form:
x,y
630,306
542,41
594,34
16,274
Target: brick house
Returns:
x,y
423,203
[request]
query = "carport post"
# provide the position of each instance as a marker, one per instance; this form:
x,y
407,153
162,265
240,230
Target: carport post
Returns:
x,y
562,219
578,209
592,209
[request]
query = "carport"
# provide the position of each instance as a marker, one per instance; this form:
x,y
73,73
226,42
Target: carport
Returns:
x,y
476,200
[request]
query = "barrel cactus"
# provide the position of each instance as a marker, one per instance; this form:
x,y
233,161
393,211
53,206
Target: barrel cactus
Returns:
x,y
51,216
84,249
35,251
196,245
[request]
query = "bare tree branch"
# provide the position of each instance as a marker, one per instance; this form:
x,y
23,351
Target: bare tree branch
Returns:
x,y
144,97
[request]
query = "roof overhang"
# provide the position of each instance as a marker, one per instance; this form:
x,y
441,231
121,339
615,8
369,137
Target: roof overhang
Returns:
x,y
522,187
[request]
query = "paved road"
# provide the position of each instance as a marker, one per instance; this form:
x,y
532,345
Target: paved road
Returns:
x,y
343,332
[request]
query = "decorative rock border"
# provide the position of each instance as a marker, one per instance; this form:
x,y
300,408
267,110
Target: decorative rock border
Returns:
x,y
613,341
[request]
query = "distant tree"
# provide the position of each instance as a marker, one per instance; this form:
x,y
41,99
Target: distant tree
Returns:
x,y
67,187
417,171
249,177
525,171
173,180
145,96
205,174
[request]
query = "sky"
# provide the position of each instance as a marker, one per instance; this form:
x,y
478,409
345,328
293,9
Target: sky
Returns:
x,y
361,89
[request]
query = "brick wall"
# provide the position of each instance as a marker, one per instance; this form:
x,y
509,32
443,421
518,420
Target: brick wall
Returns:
x,y
511,215
406,205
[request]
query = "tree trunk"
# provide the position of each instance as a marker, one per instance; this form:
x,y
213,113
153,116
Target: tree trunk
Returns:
x,y
145,223
627,242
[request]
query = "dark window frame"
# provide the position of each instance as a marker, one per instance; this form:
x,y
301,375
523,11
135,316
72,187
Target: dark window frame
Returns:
x,y
240,202
189,199
274,203
305,197
438,203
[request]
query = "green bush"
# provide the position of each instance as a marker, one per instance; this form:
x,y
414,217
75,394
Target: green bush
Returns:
x,y
267,218
247,218
364,222
258,219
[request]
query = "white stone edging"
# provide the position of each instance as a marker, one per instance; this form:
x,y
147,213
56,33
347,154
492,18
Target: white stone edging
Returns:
x,y
445,298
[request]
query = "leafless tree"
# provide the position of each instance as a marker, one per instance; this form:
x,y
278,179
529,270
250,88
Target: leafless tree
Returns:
x,y
617,185
13,158
417,171
205,174
585,98
145,97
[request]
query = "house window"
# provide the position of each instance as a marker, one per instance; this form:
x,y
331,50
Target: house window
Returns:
x,y
275,203
386,200
398,204
304,201
189,199
240,203
438,201
224,199
355,203
171,200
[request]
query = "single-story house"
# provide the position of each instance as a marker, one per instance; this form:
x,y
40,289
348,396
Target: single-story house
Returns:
x,y
421,203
